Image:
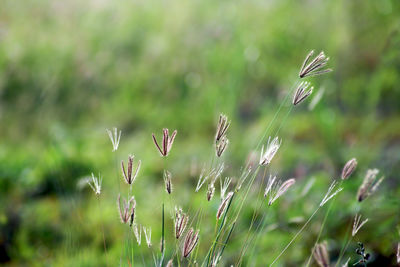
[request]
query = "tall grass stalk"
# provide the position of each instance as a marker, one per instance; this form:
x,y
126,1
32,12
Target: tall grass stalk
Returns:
x,y
322,226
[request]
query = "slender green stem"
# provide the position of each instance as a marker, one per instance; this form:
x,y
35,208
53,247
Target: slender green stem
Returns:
x,y
254,217
320,231
295,236
102,229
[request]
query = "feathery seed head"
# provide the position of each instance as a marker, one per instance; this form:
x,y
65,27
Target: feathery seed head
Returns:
x,y
213,174
270,151
270,185
321,255
275,194
167,181
95,184
221,145
224,187
315,67
127,210
369,186
115,136
147,235
302,92
222,127
210,191
357,224
224,203
190,242
137,231
181,220
129,176
167,142
329,193
349,168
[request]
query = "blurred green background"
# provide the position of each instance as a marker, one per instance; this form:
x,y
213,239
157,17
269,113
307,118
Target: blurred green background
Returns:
x,y
71,69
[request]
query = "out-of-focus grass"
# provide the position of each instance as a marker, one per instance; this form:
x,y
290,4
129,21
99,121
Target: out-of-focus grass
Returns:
x,y
70,69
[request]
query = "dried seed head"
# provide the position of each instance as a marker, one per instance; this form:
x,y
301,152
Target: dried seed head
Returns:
x,y
224,203
190,242
275,194
369,186
95,184
129,176
181,220
167,142
137,231
329,193
210,191
221,145
147,235
167,181
213,175
349,168
315,67
270,185
302,92
321,255
127,211
170,263
357,224
224,187
270,151
114,138
222,127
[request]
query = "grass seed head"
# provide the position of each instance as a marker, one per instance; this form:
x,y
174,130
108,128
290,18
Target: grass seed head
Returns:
x,y
167,142
190,242
315,67
349,168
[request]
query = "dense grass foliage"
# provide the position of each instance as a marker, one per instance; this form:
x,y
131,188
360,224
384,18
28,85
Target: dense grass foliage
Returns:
x,y
71,69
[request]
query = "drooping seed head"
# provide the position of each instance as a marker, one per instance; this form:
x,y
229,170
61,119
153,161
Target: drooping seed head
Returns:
x,y
349,168
181,220
321,255
167,142
302,92
127,210
369,186
190,242
129,176
224,203
315,67
222,127
270,151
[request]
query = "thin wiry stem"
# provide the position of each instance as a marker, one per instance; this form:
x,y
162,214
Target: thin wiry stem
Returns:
x,y
296,235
